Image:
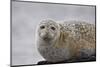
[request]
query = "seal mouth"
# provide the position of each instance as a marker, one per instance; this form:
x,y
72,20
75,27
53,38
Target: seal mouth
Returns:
x,y
46,38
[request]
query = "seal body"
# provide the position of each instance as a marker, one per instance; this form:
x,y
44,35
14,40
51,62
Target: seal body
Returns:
x,y
65,41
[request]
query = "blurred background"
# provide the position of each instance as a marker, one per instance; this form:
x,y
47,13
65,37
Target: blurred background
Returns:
x,y
25,18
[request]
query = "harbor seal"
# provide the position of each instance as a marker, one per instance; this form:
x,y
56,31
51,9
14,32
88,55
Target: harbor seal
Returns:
x,y
65,41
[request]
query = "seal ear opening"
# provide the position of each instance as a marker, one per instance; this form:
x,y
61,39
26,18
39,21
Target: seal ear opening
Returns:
x,y
60,26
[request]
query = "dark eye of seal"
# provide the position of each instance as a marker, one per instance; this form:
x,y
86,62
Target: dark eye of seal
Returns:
x,y
53,28
42,27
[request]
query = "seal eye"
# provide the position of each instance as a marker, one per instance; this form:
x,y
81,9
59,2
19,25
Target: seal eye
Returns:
x,y
42,27
53,28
